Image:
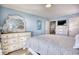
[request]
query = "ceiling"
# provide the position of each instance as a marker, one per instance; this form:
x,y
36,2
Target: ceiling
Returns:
x,y
41,10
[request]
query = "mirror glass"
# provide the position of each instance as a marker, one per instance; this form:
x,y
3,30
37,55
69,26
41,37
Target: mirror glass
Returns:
x,y
14,24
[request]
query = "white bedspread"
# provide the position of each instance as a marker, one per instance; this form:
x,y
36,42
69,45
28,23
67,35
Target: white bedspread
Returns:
x,y
52,45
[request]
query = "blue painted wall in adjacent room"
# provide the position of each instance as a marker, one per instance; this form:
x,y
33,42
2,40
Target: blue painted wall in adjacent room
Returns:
x,y
30,20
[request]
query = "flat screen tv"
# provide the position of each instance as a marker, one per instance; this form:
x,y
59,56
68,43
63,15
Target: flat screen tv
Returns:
x,y
62,22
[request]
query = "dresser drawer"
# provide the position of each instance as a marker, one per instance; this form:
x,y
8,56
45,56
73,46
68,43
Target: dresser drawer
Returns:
x,y
22,39
13,41
11,35
23,34
7,36
4,36
4,41
6,49
10,48
9,41
14,47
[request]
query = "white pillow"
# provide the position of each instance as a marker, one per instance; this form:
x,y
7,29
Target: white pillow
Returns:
x,y
76,45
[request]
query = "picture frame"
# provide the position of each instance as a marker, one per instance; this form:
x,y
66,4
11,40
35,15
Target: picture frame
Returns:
x,y
39,24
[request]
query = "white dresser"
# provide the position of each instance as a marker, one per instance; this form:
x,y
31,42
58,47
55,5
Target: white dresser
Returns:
x,y
14,41
0,45
62,30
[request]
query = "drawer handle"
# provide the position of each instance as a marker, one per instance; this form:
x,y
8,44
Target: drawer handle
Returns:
x,y
21,39
5,48
14,40
6,36
5,42
14,46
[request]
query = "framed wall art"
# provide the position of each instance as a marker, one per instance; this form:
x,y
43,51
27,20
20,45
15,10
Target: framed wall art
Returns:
x,y
39,24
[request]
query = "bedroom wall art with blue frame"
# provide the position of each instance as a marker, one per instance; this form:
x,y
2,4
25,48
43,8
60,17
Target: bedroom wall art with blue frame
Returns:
x,y
39,24
30,20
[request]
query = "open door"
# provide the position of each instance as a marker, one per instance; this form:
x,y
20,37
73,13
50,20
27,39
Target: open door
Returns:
x,y
52,27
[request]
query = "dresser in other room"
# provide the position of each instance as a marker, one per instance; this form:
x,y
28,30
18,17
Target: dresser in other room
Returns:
x,y
14,41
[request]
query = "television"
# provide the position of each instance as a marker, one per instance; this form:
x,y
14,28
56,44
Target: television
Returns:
x,y
62,22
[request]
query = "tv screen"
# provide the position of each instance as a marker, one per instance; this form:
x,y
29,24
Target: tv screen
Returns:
x,y
62,22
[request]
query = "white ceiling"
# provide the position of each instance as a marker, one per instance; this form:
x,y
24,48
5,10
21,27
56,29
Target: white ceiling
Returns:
x,y
41,10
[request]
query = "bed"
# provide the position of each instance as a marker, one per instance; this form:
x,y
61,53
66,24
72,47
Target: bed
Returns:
x,y
52,45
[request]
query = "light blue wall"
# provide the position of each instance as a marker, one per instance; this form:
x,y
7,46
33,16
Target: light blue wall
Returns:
x,y
30,20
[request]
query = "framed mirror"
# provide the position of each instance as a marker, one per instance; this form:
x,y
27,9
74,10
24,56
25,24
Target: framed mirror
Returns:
x,y
14,23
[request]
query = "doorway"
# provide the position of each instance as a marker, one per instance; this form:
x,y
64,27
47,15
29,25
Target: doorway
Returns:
x,y
52,27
